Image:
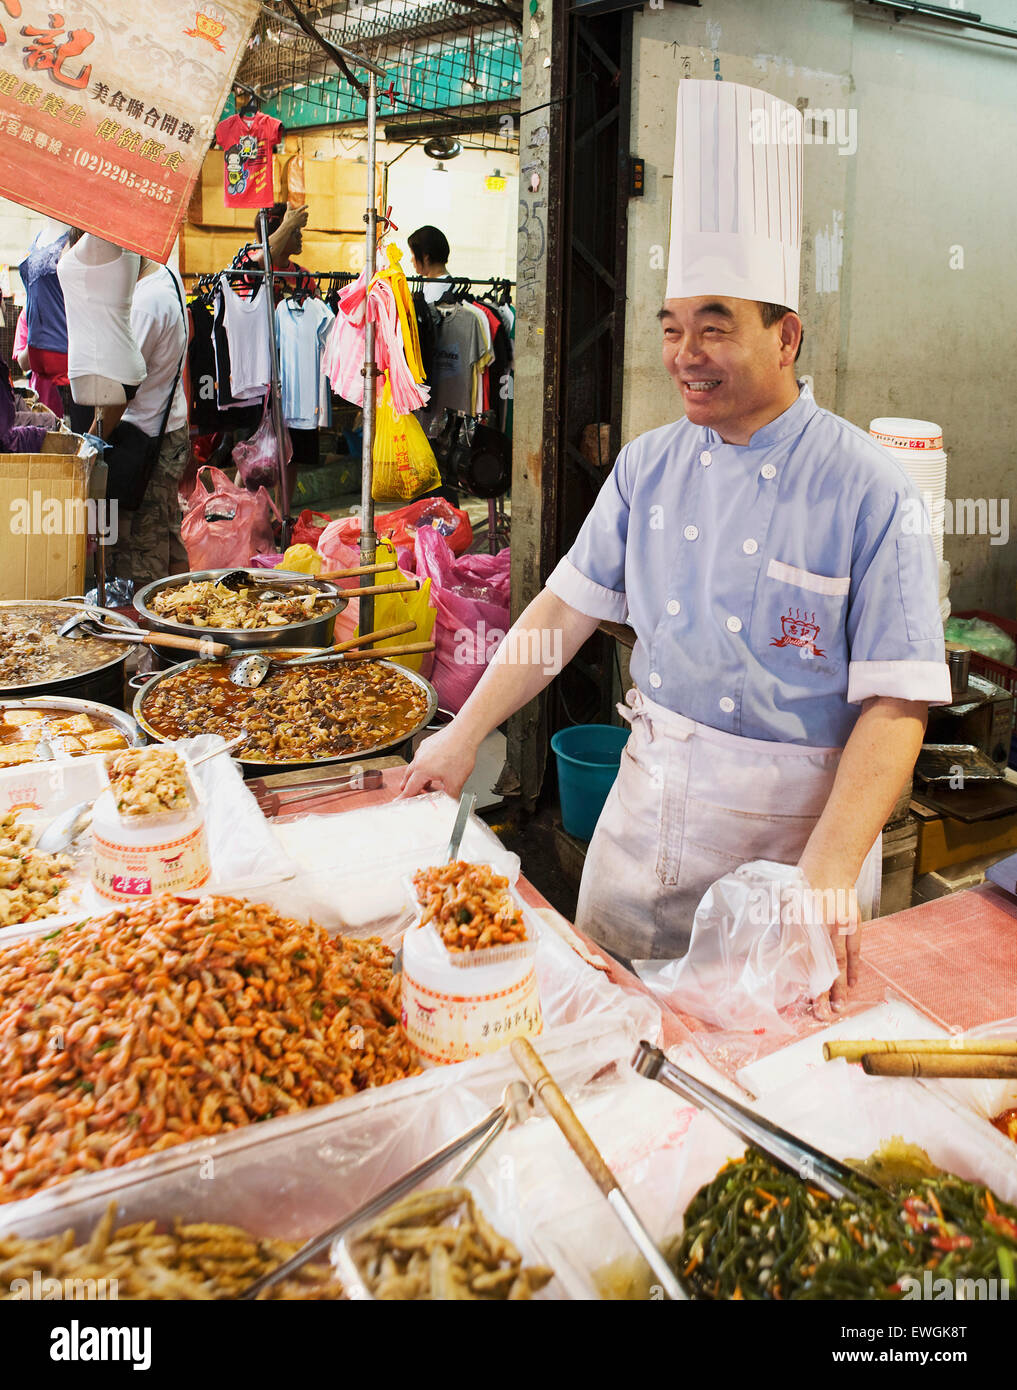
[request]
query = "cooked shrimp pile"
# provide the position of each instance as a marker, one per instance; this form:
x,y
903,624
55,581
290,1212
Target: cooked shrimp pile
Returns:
x,y
130,1033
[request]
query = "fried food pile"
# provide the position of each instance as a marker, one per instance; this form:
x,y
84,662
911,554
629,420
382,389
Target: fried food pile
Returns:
x,y
203,603
199,1261
470,906
127,1034
148,781
30,881
437,1245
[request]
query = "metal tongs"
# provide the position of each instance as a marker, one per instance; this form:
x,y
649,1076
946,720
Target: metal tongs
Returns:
x,y
790,1153
514,1108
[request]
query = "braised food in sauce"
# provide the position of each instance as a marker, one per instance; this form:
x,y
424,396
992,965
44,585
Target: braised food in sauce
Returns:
x,y
324,710
32,653
70,733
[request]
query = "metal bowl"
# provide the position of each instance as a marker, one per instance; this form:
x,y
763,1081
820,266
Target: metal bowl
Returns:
x,y
259,767
314,632
103,683
127,726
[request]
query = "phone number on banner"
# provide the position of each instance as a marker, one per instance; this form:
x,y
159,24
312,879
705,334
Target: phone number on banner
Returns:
x,y
105,168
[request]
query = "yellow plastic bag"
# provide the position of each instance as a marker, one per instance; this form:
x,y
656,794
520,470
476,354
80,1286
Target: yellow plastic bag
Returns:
x,y
302,559
404,462
413,606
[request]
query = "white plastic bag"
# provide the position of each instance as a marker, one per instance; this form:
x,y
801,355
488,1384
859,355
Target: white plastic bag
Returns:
x,y
756,947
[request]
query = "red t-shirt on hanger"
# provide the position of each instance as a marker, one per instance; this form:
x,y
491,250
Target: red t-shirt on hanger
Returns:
x,y
248,145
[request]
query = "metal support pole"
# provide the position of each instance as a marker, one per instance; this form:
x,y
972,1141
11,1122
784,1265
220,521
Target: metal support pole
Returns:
x,y
368,539
268,289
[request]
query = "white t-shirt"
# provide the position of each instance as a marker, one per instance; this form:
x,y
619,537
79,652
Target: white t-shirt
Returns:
x,y
97,297
434,289
158,325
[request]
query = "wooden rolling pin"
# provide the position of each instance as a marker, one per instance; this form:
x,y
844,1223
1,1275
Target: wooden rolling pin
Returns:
x,y
975,1065
854,1049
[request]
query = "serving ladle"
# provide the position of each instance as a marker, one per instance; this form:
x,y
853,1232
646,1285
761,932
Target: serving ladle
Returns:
x,y
88,623
252,670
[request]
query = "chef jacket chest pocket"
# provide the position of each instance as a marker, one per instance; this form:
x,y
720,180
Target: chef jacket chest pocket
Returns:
x,y
801,616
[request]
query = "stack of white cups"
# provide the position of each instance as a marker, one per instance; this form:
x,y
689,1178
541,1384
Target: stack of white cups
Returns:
x,y
917,445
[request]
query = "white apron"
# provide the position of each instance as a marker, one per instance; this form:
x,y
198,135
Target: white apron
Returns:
x,y
691,804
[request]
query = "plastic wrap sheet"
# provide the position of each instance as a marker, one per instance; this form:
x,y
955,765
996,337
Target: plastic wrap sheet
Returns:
x,y
294,1177
353,865
983,1100
243,851
663,1151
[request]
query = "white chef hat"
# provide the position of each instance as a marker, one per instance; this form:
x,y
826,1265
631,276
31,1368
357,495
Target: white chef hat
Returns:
x,y
736,204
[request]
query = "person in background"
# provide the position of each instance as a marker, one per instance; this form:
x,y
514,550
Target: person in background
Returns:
x,y
430,251
285,240
148,542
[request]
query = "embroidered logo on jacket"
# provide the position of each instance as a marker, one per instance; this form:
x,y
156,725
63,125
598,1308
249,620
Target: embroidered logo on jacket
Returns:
x,y
799,631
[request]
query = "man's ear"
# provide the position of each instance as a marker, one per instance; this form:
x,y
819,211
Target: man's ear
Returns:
x,y
790,338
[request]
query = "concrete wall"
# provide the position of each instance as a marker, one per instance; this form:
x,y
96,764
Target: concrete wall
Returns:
x,y
909,265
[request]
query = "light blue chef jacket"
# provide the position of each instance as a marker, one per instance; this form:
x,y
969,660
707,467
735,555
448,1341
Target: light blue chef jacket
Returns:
x,y
772,586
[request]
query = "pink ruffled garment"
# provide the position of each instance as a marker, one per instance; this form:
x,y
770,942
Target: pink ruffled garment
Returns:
x,y
343,357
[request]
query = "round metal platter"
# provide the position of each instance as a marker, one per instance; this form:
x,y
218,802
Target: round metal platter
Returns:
x,y
286,636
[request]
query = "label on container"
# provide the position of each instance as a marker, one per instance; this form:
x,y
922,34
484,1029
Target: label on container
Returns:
x,y
447,1028
125,873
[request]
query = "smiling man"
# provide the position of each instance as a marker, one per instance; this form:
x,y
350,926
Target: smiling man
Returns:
x,y
789,639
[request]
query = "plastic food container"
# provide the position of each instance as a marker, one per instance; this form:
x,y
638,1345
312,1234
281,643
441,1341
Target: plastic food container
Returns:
x,y
140,856
452,1010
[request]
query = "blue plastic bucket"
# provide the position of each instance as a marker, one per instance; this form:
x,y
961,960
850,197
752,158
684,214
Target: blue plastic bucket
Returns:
x,y
589,756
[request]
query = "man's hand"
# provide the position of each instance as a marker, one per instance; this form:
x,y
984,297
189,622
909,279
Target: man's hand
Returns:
x,y
294,220
443,762
843,922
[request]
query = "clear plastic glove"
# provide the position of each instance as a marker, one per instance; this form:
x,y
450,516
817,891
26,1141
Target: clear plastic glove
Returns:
x,y
757,945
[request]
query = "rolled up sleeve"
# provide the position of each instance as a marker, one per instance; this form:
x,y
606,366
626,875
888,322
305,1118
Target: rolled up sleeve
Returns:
x,y
591,577
894,628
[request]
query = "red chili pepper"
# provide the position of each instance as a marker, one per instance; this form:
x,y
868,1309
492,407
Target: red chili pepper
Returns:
x,y
951,1242
1003,1224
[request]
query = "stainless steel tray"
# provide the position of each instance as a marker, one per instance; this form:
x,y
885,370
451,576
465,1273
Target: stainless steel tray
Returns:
x,y
957,763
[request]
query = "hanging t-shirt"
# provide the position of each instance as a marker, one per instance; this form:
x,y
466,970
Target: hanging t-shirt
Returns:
x,y
460,345
249,338
205,413
249,168
303,328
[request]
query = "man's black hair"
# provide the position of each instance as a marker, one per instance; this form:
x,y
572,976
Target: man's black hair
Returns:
x,y
274,216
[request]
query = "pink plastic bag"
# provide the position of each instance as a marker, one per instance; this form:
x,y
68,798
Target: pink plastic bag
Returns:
x,y
471,594
257,458
224,527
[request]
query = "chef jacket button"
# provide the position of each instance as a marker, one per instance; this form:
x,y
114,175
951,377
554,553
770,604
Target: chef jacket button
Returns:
x,y
768,470
674,607
750,547
734,624
656,682
727,704
706,458
691,533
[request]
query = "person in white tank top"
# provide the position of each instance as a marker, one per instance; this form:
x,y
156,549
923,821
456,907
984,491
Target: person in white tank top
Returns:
x,y
98,280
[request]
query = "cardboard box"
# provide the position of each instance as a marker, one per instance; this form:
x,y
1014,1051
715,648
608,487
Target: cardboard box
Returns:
x,y
47,517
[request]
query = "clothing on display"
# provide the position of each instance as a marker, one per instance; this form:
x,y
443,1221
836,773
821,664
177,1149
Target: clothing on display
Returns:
x,y
247,144
247,338
160,331
45,385
98,296
303,327
44,298
206,415
292,278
